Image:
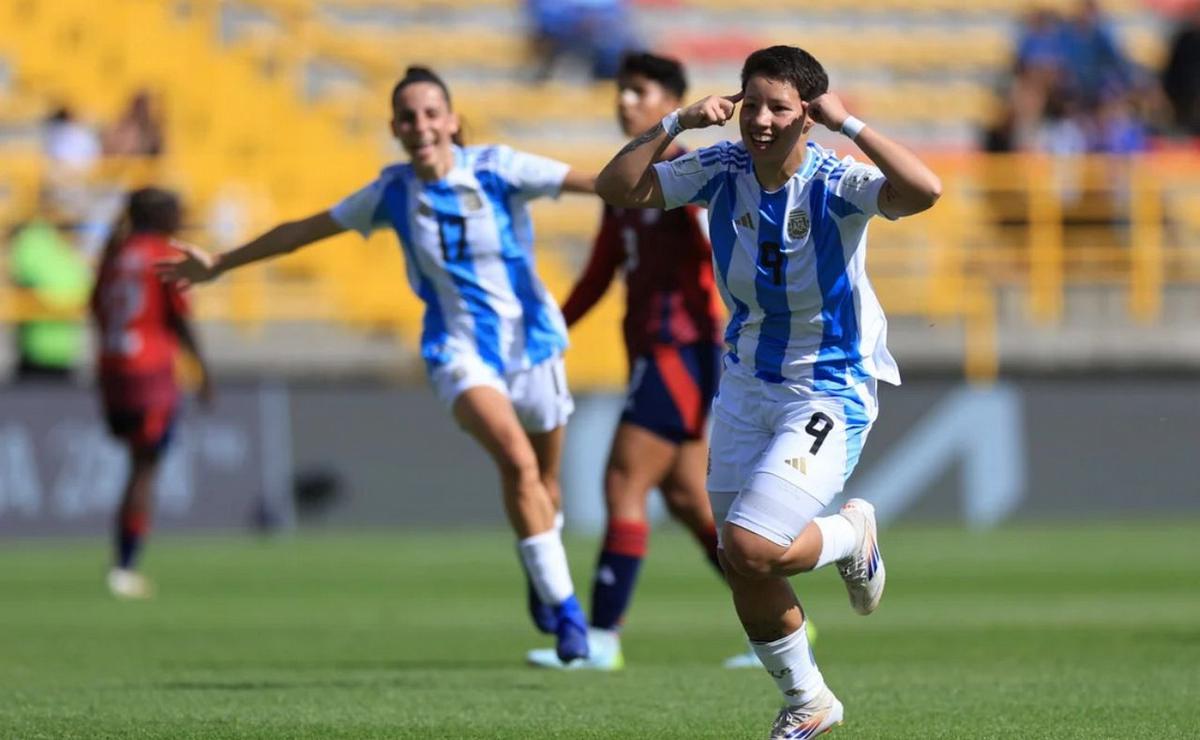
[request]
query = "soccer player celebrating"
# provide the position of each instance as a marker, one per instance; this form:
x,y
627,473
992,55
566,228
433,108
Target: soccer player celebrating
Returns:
x,y
672,339
806,342
142,323
493,336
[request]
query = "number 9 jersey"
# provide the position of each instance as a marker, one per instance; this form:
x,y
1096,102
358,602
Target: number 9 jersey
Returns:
x,y
791,264
468,247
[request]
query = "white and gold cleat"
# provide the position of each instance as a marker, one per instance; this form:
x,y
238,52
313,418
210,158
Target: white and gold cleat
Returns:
x,y
863,572
812,719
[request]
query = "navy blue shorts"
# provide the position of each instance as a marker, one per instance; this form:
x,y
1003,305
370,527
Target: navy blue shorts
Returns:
x,y
671,390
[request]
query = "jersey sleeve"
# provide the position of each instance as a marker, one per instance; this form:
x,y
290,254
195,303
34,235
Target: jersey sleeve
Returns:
x,y
597,276
859,185
360,210
529,175
689,179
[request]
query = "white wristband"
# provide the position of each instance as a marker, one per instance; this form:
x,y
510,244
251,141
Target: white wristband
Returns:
x,y
852,127
670,124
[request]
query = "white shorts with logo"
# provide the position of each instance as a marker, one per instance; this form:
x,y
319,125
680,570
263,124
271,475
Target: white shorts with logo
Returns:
x,y
539,394
781,452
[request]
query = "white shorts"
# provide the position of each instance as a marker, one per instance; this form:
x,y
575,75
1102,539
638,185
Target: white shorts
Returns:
x,y
539,394
781,452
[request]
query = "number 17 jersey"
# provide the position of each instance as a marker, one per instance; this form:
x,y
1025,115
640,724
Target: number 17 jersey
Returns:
x,y
791,263
468,248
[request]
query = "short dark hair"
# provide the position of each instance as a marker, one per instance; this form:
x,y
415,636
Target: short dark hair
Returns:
x,y
663,70
154,209
417,73
789,64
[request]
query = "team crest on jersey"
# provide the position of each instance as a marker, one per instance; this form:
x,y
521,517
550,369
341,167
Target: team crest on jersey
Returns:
x,y
470,199
797,224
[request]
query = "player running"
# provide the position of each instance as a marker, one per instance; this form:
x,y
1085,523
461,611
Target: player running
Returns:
x,y
493,337
142,323
806,341
673,343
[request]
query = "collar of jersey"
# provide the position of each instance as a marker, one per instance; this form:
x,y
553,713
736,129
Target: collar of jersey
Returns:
x,y
812,161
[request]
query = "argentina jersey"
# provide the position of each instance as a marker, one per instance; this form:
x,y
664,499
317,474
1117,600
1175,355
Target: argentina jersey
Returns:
x,y
468,247
791,264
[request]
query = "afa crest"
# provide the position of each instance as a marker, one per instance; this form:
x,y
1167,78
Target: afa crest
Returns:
x,y
797,224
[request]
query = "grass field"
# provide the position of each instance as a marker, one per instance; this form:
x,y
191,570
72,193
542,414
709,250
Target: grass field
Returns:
x,y
1088,632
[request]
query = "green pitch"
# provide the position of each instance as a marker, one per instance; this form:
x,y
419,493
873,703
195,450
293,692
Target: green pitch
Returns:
x,y
1083,632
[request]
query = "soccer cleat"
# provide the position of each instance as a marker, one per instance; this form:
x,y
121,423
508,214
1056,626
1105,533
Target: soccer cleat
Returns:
x,y
572,642
542,614
812,719
604,654
863,571
128,584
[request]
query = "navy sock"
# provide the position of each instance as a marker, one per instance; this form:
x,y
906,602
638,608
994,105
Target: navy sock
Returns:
x,y
616,572
131,529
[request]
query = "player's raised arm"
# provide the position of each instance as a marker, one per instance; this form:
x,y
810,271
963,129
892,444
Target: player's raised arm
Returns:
x,y
198,266
911,186
629,180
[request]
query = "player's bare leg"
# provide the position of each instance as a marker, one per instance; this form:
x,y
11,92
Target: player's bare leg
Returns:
x,y
132,522
489,417
684,492
548,447
638,460
774,621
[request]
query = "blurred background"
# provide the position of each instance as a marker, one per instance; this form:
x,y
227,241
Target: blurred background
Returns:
x,y
1044,313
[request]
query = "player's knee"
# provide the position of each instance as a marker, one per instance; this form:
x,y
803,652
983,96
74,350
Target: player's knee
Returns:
x,y
750,555
685,504
519,468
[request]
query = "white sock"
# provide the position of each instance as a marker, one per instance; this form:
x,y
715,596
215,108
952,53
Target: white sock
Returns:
x,y
839,540
790,662
546,562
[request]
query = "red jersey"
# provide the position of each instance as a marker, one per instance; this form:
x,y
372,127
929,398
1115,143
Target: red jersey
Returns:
x,y
134,312
671,297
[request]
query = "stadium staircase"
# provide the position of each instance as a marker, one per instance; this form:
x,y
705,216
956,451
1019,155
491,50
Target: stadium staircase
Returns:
x,y
276,108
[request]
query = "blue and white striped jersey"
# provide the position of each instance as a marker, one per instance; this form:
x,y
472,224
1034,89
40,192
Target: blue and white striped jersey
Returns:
x,y
468,247
791,264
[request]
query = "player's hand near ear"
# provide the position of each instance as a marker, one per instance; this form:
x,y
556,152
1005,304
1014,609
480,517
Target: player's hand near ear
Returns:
x,y
828,110
714,110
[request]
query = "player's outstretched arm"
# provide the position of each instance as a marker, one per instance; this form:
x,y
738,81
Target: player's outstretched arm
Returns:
x,y
911,186
629,180
579,182
198,266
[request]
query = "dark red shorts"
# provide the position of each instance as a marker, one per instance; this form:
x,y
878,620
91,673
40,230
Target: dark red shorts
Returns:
x,y
148,429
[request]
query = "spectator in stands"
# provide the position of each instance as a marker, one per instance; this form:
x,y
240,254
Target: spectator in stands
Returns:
x,y
1181,77
1073,91
1040,41
69,143
139,130
597,31
72,150
55,280
1095,64
1116,128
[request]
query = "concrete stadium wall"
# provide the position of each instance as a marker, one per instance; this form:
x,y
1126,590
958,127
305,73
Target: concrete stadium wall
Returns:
x,y
1024,449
